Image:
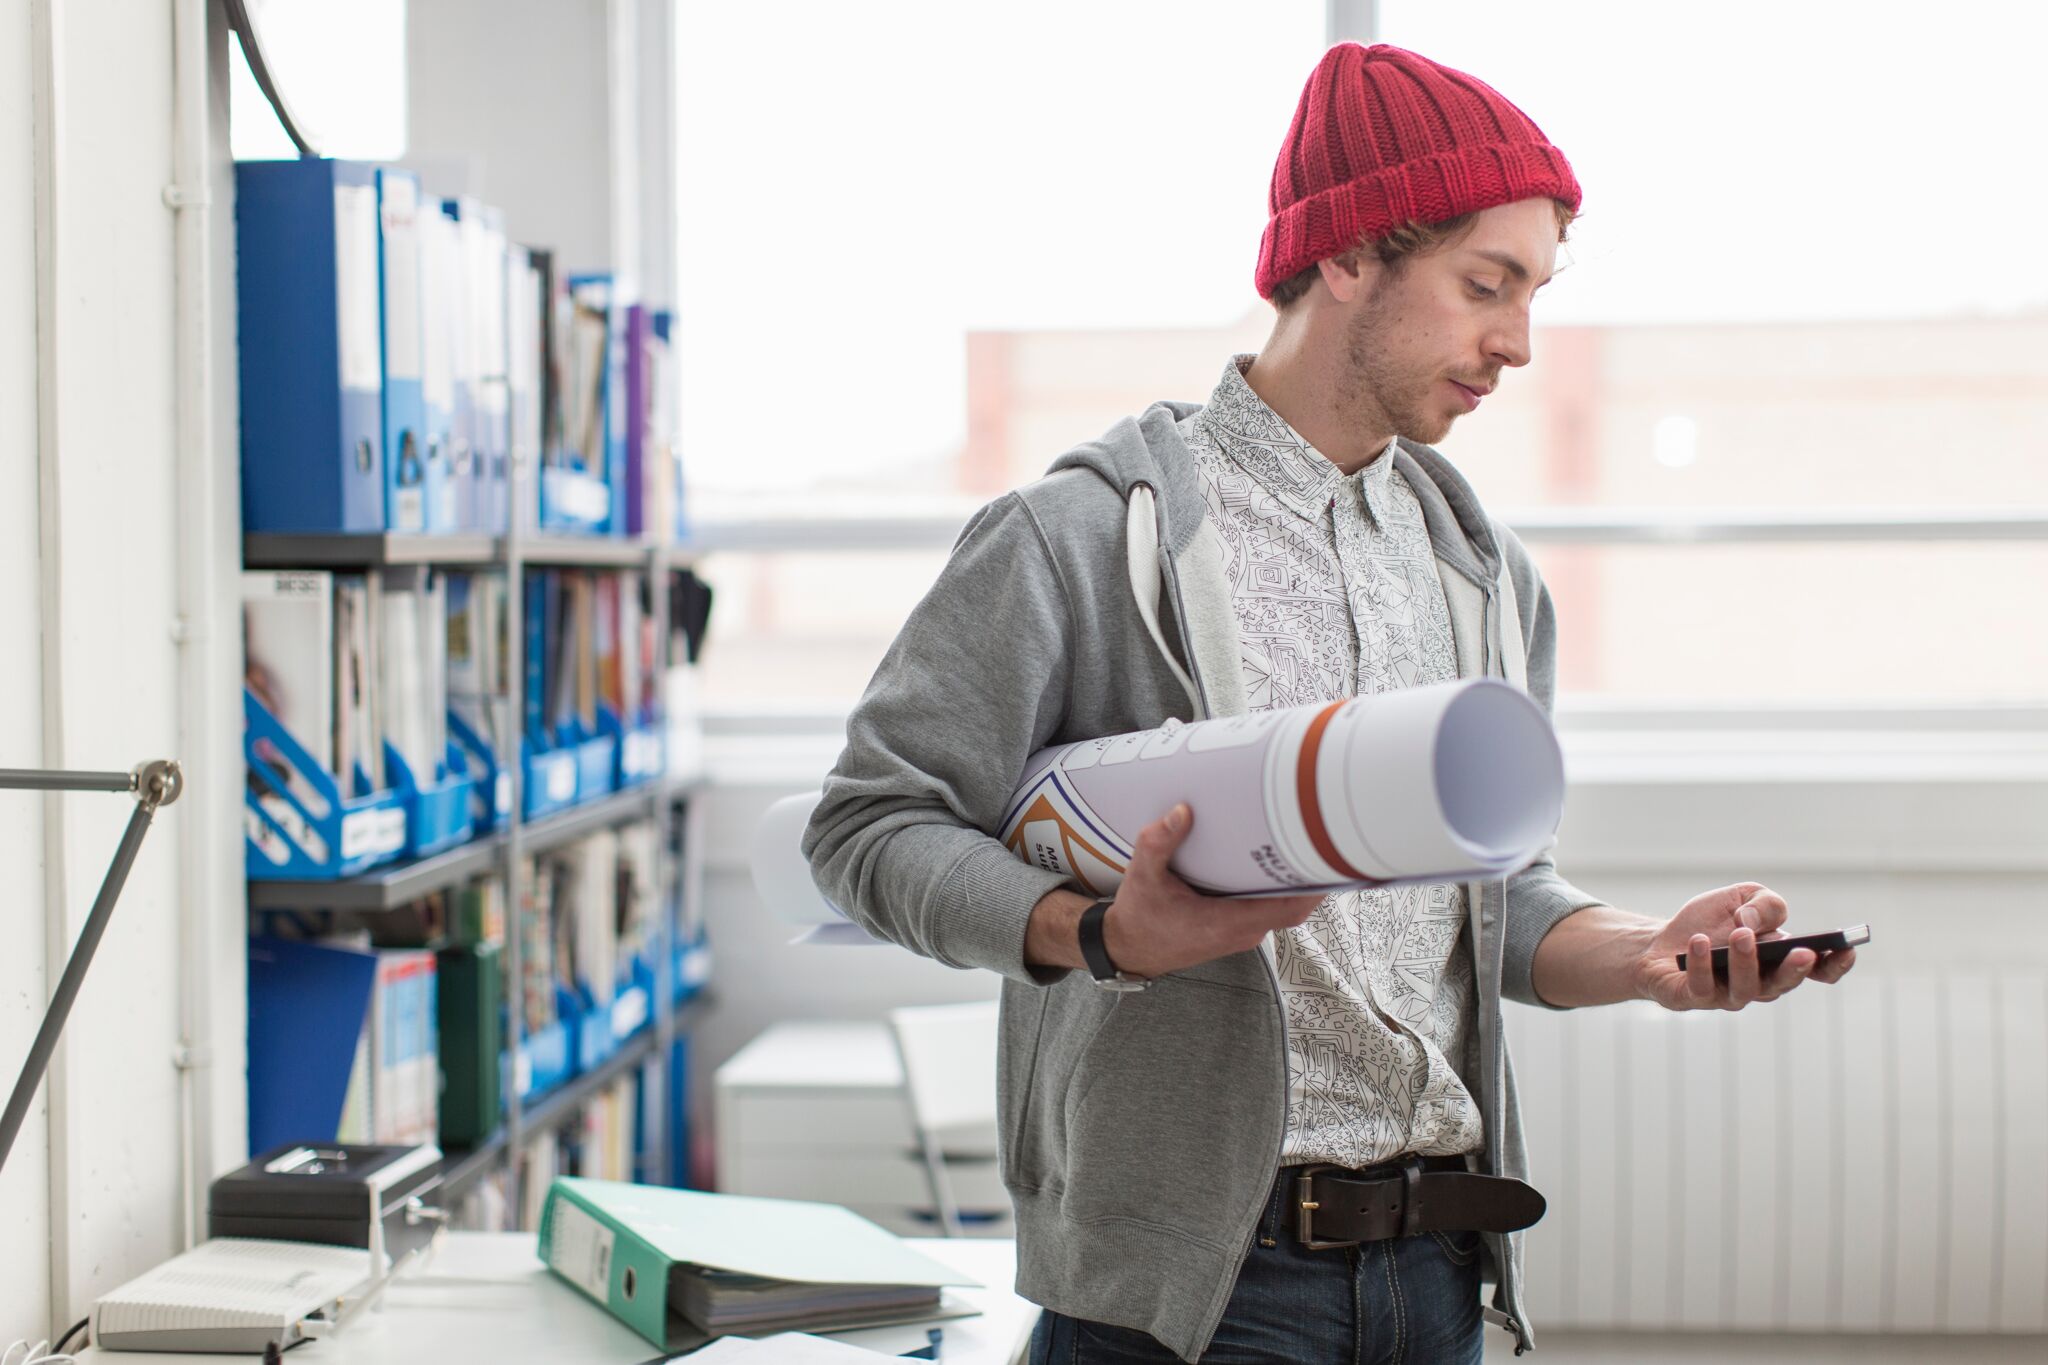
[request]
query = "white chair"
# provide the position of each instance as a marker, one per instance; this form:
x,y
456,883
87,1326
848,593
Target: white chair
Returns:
x,y
782,876
949,1076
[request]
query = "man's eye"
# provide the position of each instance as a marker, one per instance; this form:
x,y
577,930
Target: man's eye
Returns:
x,y
1479,290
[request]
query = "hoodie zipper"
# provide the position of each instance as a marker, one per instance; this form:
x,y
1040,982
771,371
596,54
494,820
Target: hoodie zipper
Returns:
x,y
1494,656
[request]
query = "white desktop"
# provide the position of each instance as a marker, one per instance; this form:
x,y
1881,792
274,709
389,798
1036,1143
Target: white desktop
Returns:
x,y
486,1296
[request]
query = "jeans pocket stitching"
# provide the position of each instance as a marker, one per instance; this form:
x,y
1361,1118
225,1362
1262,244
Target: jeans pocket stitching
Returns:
x,y
1451,1252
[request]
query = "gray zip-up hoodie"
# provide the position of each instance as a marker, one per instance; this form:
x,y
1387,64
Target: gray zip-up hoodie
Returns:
x,y
1140,1132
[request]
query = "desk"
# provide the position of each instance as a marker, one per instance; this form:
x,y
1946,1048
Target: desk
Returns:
x,y
487,1297
815,1109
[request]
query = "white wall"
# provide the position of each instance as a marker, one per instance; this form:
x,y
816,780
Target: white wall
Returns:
x,y
24,1199
90,531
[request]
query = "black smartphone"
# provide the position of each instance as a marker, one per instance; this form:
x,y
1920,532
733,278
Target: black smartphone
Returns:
x,y
1770,952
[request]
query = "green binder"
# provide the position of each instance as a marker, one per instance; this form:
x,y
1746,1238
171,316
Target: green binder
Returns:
x,y
471,993
633,1247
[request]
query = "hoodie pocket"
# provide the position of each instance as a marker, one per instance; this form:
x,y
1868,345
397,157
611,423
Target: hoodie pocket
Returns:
x,y
1034,1074
1174,1105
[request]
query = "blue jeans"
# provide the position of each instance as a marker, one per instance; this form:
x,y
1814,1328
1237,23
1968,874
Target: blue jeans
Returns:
x,y
1403,1301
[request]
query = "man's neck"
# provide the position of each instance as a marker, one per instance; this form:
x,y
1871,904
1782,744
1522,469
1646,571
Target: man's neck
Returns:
x,y
1303,393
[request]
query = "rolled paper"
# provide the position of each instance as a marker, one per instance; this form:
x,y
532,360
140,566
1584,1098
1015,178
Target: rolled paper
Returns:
x,y
1453,782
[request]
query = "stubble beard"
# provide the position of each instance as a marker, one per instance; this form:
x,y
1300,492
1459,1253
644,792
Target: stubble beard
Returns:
x,y
1376,391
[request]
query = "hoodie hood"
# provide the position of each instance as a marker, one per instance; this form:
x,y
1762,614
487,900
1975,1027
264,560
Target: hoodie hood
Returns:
x,y
1148,449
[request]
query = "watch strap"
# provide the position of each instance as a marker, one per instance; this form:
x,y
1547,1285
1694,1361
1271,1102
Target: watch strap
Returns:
x,y
1094,951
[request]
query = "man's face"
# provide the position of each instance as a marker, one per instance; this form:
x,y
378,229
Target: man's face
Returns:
x,y
1426,342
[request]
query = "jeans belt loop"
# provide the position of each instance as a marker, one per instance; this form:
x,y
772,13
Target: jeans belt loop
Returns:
x,y
1411,1192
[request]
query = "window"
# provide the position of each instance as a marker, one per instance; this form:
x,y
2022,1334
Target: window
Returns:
x,y
341,69
1803,287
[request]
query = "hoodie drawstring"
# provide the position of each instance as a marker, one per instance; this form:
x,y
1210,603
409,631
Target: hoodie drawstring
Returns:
x,y
1141,541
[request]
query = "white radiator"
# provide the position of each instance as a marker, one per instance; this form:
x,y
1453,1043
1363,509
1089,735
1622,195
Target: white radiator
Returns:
x,y
1864,1159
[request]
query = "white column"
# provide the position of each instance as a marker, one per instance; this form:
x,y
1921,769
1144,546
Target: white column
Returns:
x,y
102,556
560,112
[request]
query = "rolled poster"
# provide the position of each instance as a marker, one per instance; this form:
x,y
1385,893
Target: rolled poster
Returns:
x,y
1452,782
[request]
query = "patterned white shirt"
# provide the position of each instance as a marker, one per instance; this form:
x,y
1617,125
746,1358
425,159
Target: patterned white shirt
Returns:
x,y
1336,592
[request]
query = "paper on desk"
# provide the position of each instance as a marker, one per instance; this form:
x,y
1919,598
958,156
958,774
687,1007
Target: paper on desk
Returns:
x,y
782,1239
844,934
787,1348
782,875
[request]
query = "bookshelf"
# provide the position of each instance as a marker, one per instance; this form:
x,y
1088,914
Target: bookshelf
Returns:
x,y
391,213
666,798
504,852
461,1170
275,550
387,888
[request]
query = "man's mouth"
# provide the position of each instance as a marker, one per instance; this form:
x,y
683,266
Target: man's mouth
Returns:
x,y
1471,395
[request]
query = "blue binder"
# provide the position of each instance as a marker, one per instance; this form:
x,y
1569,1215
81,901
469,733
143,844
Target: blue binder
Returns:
x,y
467,477
489,270
407,485
442,294
527,354
307,1006
311,347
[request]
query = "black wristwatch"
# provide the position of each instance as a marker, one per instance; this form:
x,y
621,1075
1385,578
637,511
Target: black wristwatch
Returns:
x,y
1096,953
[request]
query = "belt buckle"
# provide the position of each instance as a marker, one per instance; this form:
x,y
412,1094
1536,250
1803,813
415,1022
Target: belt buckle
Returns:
x,y
1305,1206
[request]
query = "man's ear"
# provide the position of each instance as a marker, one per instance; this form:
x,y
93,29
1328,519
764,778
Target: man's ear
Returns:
x,y
1346,276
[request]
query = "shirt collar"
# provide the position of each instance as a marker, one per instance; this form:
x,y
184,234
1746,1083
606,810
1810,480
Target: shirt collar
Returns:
x,y
1260,442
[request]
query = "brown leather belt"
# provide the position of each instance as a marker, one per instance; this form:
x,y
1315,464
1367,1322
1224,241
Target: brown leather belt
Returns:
x,y
1335,1207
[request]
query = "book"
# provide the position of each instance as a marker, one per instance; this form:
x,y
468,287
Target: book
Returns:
x,y
412,652
288,638
476,656
394,1090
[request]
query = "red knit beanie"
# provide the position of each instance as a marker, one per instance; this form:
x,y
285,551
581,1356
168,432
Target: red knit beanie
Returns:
x,y
1384,137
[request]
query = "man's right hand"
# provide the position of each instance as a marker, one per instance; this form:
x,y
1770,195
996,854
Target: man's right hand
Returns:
x,y
1159,923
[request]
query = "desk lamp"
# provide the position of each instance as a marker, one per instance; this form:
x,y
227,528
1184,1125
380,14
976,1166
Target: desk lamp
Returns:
x,y
152,784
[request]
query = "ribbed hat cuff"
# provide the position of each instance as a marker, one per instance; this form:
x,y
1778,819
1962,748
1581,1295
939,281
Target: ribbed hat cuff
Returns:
x,y
1428,189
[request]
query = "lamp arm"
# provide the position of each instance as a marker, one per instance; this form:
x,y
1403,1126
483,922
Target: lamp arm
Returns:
x,y
154,784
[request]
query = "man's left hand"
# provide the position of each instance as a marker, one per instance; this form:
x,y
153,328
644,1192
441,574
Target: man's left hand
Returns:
x,y
1738,916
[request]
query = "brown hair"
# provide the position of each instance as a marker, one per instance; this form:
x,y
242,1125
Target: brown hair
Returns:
x,y
1404,243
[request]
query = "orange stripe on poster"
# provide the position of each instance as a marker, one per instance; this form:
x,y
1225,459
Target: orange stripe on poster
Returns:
x,y
1311,805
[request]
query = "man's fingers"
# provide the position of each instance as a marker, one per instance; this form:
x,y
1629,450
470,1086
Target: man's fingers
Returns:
x,y
1787,975
1745,978
1699,969
1765,911
1284,912
1163,836
1834,966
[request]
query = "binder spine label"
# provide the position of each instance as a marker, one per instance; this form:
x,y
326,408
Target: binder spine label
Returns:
x,y
409,509
372,831
355,250
580,1249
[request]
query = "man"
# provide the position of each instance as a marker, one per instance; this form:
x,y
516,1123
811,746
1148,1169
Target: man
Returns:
x,y
1288,1129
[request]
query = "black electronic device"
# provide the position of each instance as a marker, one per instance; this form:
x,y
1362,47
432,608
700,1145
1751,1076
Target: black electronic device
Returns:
x,y
1771,951
340,1194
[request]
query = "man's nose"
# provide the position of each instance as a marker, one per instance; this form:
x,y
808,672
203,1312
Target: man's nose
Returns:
x,y
1509,345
